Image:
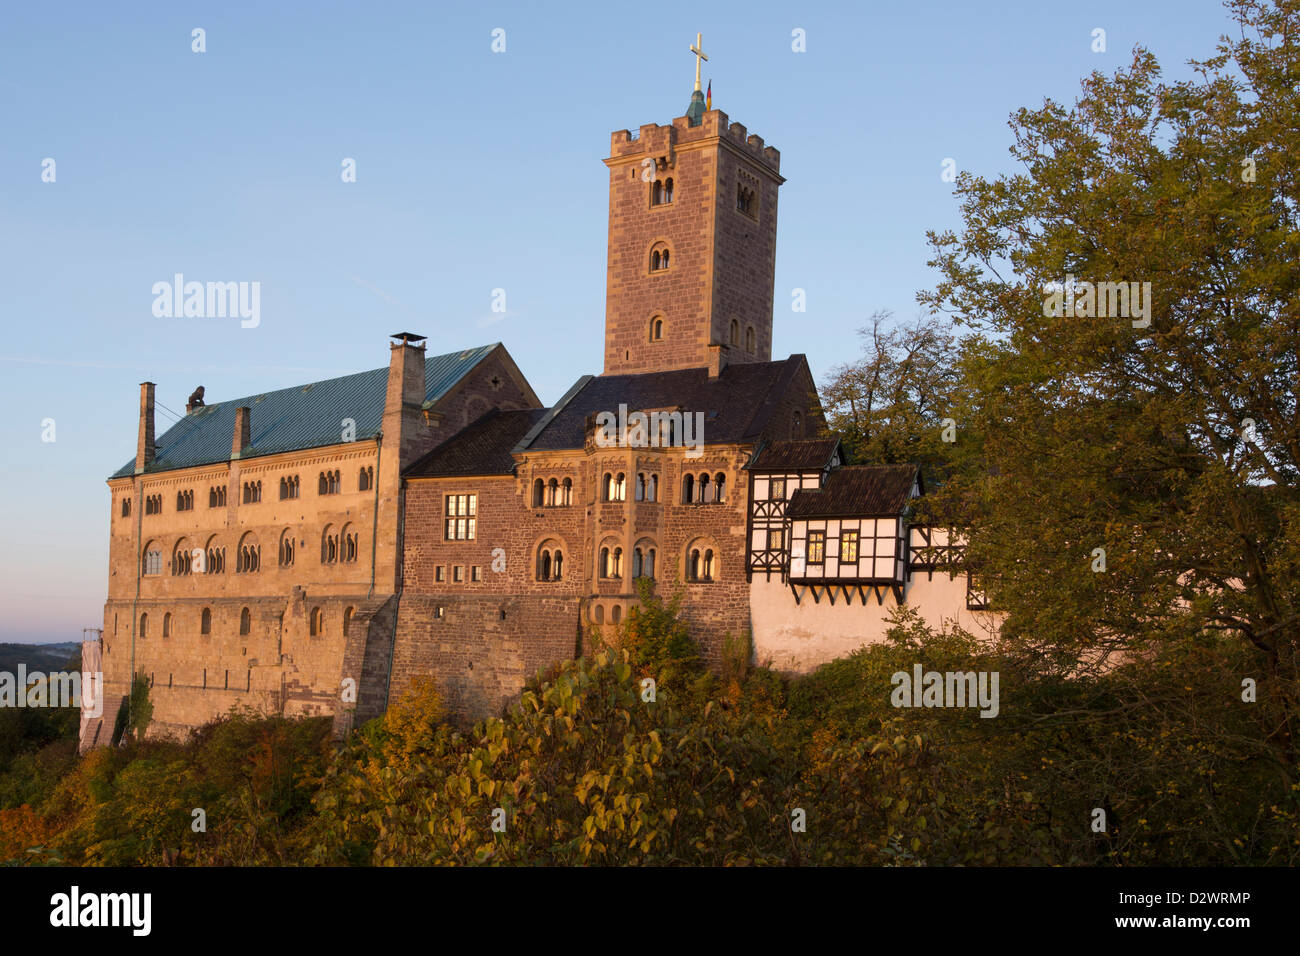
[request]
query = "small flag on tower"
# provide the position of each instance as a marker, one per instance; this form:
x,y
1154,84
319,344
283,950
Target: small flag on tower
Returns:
x,y
708,97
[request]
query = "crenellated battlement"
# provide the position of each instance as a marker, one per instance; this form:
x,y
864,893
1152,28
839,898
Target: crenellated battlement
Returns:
x,y
653,138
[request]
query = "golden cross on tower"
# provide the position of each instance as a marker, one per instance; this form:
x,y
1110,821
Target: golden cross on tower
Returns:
x,y
698,50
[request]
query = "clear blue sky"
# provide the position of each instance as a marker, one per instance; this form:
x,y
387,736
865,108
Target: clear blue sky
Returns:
x,y
475,171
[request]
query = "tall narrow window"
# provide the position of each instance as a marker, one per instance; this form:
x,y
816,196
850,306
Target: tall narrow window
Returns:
x,y
538,490
317,622
656,329
720,487
566,489
848,547
751,341
735,333
366,478
640,486
144,625
245,621
347,618
688,489
461,517
126,507
205,622
816,547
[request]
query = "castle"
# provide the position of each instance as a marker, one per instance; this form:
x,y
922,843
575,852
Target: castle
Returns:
x,y
311,550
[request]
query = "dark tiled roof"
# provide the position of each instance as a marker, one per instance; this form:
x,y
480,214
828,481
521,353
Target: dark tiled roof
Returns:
x,y
857,490
743,398
808,454
304,416
481,448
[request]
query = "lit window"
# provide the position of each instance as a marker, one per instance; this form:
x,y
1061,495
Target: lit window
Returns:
x,y
849,547
816,547
461,517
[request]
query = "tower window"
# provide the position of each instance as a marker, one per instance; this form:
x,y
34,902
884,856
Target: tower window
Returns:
x,y
656,329
735,333
126,507
659,257
746,201
751,340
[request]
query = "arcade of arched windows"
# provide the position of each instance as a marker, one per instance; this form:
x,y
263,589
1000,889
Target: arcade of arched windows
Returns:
x,y
704,488
552,493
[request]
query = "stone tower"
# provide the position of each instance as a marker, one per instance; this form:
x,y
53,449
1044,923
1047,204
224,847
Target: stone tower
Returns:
x,y
692,245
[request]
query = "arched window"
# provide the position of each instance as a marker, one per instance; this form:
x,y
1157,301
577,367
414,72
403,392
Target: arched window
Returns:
x,y
668,190
182,558
544,570
567,489
329,545
552,493
144,625
720,487
656,329
322,486
249,557
607,487
600,614
286,549
618,563
317,622
637,558
688,488
215,556
557,566
616,613
604,563
348,544
659,257
167,624
735,333
657,193
538,485
751,342
205,621
648,568
652,488
704,490
701,565
347,619
640,486
620,487
366,478
245,621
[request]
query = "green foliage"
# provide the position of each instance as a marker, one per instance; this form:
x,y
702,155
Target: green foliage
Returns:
x,y
1172,444
654,635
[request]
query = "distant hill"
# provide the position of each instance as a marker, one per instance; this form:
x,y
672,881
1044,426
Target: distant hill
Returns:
x,y
64,655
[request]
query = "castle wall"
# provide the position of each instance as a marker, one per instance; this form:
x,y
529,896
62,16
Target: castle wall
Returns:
x,y
798,638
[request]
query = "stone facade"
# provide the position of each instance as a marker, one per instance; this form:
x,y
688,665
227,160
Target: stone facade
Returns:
x,y
474,536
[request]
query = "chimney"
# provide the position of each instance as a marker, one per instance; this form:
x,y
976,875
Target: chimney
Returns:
x,y
404,401
718,355
241,439
144,446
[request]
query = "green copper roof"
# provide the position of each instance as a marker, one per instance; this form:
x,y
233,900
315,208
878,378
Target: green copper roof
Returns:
x,y
695,112
304,416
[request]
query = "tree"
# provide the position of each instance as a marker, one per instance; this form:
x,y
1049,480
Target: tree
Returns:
x,y
890,404
1168,434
